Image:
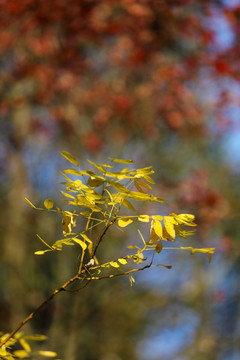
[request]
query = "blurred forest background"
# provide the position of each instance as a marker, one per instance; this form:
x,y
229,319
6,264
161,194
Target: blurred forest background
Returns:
x,y
157,81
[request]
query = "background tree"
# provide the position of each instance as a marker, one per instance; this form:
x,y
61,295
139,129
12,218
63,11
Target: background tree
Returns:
x,y
152,79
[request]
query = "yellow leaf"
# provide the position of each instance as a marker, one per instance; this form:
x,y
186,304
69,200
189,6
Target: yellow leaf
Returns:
x,y
69,157
122,161
143,218
67,195
114,264
86,238
41,252
122,261
128,205
36,337
157,227
138,186
124,222
48,204
73,172
95,181
159,247
25,345
47,353
143,197
153,234
149,179
131,280
21,354
169,226
144,184
29,202
99,167
68,222
119,187
80,242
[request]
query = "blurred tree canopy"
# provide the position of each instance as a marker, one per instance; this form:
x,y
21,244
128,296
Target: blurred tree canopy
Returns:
x,y
154,80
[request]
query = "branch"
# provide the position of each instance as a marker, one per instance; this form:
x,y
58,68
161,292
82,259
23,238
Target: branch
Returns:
x,y
22,323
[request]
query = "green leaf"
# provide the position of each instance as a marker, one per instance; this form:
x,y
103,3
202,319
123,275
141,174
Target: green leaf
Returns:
x,y
29,202
48,203
124,222
122,161
69,157
47,353
80,242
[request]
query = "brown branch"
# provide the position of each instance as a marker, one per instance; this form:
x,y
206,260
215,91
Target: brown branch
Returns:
x,y
101,237
30,316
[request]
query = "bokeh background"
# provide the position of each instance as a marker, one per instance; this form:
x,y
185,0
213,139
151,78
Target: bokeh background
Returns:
x,y
157,81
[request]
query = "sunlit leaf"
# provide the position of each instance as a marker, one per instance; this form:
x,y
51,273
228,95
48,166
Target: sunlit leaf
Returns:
x,y
73,172
131,280
69,157
67,195
85,237
157,227
41,252
25,345
114,264
21,354
80,242
119,187
47,353
29,202
68,222
122,261
36,337
143,218
144,184
122,161
128,205
138,186
44,242
149,179
48,204
153,235
124,222
169,226
99,167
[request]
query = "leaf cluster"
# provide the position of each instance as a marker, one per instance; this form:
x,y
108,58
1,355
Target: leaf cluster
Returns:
x,y
98,198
